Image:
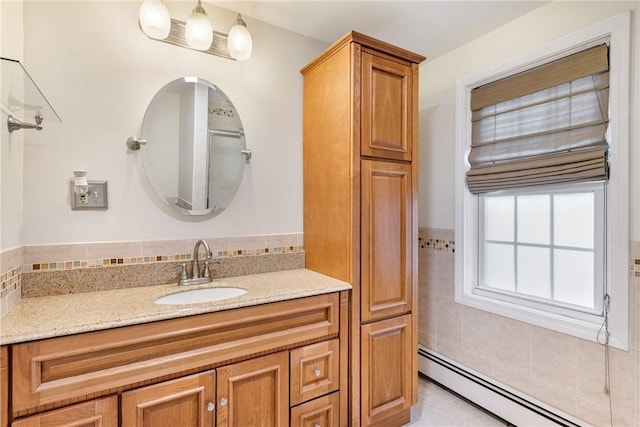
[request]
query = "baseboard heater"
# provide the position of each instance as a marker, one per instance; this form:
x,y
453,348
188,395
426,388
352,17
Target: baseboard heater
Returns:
x,y
496,399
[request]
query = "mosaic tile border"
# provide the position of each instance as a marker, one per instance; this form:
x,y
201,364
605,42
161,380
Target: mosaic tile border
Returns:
x,y
117,261
440,245
10,281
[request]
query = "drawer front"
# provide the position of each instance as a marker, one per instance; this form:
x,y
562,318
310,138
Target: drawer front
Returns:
x,y
315,370
95,413
62,368
321,412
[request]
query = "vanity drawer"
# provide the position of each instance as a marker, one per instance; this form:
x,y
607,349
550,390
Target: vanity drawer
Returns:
x,y
95,413
315,371
321,412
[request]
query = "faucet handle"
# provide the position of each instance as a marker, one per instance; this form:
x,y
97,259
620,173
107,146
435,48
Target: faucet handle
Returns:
x,y
183,273
206,274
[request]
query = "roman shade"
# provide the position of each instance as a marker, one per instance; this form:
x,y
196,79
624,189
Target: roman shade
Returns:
x,y
546,125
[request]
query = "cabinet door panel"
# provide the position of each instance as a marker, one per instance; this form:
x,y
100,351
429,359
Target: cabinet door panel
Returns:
x,y
386,240
386,369
182,402
386,108
254,392
96,413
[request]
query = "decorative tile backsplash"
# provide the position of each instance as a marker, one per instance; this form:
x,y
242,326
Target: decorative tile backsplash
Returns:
x,y
10,281
436,240
634,268
119,261
31,271
98,255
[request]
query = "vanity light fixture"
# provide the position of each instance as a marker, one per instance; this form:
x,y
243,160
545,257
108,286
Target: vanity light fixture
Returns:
x,y
239,40
154,19
198,30
197,33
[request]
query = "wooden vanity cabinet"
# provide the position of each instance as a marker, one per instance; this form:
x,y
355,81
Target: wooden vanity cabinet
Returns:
x,y
229,368
360,169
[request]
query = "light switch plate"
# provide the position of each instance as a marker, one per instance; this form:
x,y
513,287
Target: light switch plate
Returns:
x,y
96,197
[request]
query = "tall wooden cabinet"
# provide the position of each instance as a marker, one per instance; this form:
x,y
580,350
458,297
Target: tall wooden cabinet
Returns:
x,y
360,211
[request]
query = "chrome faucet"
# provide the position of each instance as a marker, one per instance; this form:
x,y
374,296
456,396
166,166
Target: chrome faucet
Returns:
x,y
195,270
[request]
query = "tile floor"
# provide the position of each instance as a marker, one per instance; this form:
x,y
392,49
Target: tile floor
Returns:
x,y
438,407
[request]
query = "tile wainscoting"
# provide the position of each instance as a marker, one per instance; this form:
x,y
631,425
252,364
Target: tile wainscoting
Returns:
x,y
33,271
560,370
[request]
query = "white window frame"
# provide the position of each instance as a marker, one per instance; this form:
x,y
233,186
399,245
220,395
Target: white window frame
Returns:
x,y
615,31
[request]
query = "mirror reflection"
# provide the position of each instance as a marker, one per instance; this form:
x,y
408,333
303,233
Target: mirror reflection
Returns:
x,y
194,154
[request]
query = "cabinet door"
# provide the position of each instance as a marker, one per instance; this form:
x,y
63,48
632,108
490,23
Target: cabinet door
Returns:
x,y
254,392
387,112
386,233
386,374
95,413
184,402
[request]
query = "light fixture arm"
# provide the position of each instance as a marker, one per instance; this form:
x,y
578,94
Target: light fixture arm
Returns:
x,y
199,8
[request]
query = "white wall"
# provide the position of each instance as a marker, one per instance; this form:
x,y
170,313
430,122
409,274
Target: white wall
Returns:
x,y
100,71
11,146
437,93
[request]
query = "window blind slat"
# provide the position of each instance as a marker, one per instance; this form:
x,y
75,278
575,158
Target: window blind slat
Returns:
x,y
573,67
595,82
538,145
583,165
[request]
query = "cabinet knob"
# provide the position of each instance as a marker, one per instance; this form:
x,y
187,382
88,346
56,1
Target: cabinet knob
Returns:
x,y
223,401
317,373
317,425
210,406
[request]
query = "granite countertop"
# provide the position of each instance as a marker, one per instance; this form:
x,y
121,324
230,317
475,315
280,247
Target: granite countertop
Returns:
x,y
53,316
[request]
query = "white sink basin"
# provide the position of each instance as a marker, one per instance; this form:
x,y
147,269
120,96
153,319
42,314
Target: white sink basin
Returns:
x,y
196,296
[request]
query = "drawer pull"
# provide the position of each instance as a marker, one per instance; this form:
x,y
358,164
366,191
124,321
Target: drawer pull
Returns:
x,y
210,406
316,425
223,401
317,373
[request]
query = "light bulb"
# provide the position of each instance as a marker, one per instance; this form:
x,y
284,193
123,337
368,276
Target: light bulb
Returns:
x,y
154,19
239,40
198,30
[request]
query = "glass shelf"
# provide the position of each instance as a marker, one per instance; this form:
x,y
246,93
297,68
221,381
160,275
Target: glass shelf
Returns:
x,y
20,97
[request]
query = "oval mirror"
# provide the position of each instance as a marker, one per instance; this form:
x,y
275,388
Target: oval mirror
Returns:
x,y
195,148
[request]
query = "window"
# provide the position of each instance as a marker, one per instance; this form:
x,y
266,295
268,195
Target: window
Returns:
x,y
541,219
542,247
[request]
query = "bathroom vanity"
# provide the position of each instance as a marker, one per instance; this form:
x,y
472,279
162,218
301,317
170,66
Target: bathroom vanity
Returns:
x,y
276,355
